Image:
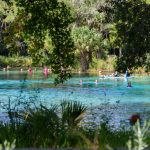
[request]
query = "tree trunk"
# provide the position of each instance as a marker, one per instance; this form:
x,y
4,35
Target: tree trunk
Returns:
x,y
1,45
120,52
3,50
84,60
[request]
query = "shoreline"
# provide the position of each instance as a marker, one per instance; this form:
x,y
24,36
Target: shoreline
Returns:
x,y
76,71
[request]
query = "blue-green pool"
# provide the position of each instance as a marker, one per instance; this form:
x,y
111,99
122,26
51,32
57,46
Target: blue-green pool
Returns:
x,y
111,90
110,96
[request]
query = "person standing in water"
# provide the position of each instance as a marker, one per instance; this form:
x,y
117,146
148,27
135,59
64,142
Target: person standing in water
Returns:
x,y
127,73
30,71
45,71
81,82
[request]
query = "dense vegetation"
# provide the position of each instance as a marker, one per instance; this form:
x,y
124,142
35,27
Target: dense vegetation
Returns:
x,y
66,34
61,126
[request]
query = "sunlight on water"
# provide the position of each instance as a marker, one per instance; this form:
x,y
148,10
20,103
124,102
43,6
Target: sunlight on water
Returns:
x,y
110,90
103,96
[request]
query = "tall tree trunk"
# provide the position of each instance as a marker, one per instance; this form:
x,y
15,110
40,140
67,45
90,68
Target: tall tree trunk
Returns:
x,y
84,60
3,50
1,41
120,52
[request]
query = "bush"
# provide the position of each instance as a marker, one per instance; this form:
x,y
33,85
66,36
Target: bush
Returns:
x,y
15,61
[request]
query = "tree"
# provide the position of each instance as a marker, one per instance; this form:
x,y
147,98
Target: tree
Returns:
x,y
10,30
89,24
7,15
131,20
87,43
52,18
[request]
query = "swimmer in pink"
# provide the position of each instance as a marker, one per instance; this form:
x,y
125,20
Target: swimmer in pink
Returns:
x,y
45,71
30,70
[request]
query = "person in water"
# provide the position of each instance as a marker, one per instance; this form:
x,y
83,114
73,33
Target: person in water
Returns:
x,y
127,74
129,84
96,81
116,74
45,71
81,82
30,70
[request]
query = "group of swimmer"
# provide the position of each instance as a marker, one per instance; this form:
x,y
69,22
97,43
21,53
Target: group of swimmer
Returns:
x,y
47,71
30,70
115,74
96,82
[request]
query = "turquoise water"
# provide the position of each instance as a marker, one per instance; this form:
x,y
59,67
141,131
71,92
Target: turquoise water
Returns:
x,y
15,84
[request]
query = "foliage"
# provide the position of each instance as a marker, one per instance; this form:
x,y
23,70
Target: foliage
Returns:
x,y
12,42
104,64
131,19
15,61
89,31
7,145
52,18
46,127
87,42
121,25
58,126
140,134
72,113
113,138
147,65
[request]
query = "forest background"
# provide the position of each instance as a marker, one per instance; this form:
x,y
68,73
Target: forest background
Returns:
x,y
100,34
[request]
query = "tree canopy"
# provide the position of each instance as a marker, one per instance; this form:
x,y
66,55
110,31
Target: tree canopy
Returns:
x,y
132,24
58,32
52,18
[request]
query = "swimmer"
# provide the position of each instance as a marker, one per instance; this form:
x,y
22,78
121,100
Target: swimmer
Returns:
x,y
116,74
96,81
7,68
30,70
45,71
129,84
4,69
100,72
81,82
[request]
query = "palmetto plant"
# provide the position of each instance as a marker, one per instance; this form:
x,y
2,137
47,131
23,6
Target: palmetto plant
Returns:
x,y
50,127
87,42
72,113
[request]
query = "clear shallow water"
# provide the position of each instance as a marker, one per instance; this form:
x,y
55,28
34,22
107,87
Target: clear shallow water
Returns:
x,y
119,102
15,84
